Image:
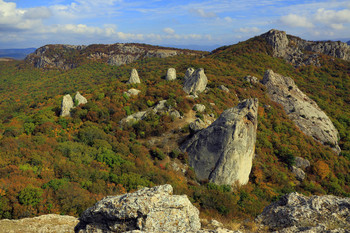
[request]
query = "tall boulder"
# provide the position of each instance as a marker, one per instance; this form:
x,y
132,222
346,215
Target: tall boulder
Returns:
x,y
224,151
147,210
188,73
196,83
79,99
134,77
305,113
67,105
295,212
171,74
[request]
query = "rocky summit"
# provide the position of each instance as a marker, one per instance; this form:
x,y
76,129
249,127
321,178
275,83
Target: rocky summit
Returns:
x,y
224,151
295,212
147,210
301,109
301,52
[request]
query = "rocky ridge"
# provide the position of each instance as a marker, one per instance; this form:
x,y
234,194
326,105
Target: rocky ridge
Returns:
x,y
301,52
70,56
224,151
305,113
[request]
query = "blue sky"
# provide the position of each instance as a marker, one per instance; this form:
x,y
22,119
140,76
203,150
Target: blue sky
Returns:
x,y
25,23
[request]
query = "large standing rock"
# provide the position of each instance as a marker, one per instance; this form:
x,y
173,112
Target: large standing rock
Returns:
x,y
196,83
171,74
297,212
67,105
301,109
134,77
148,210
224,151
79,99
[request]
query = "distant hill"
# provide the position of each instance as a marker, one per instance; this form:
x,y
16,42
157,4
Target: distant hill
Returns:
x,y
18,54
348,42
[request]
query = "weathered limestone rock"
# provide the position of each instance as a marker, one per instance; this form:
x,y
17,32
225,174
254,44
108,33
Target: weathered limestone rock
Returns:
x,y
197,125
134,77
51,223
297,212
132,92
298,172
301,109
301,162
279,42
188,73
67,105
148,210
79,99
224,151
199,107
171,74
222,87
196,83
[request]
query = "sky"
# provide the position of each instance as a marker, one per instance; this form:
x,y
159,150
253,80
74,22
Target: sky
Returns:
x,y
34,23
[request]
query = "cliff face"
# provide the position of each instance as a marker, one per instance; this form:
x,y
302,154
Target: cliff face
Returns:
x,y
301,52
70,56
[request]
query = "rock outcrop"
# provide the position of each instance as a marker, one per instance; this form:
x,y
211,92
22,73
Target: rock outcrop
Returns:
x,y
292,48
251,79
171,74
299,167
51,223
306,114
199,107
134,77
159,108
79,99
147,210
196,83
67,105
297,213
70,56
223,152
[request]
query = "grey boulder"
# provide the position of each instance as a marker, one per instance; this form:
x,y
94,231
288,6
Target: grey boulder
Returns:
x,y
223,152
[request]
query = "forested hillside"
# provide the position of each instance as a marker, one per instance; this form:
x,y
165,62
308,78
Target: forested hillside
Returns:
x,y
51,164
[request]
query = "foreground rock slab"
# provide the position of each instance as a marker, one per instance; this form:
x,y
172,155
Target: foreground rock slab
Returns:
x,y
305,113
51,223
224,151
148,210
295,212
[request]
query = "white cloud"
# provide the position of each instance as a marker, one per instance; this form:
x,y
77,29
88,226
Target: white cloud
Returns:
x,y
37,13
249,30
332,16
202,13
294,20
228,19
169,31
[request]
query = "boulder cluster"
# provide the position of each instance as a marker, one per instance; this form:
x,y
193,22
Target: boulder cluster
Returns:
x,y
68,104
